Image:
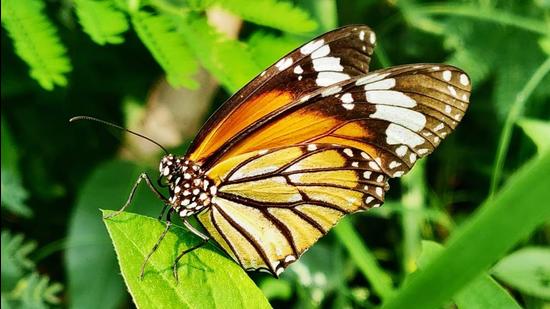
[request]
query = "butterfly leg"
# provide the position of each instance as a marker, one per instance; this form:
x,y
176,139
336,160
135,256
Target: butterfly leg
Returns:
x,y
204,239
155,247
142,176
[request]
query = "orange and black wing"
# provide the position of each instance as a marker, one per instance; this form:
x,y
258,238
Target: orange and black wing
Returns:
x,y
395,115
333,57
272,205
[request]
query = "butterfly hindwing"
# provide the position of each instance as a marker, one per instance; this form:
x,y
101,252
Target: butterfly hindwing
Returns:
x,y
272,205
333,57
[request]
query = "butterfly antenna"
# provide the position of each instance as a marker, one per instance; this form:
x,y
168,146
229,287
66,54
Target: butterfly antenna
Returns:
x,y
73,119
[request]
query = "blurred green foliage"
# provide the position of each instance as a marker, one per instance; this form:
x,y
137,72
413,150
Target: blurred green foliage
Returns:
x,y
62,58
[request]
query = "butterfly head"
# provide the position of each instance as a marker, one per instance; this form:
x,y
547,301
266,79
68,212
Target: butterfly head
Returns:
x,y
191,191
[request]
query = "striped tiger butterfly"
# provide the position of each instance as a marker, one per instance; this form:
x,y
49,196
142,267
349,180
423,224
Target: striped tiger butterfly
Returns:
x,y
311,139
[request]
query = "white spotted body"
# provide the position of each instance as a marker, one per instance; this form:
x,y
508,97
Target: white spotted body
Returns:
x,y
191,191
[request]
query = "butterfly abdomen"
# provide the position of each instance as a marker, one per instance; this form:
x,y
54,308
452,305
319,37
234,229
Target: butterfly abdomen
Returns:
x,y
191,191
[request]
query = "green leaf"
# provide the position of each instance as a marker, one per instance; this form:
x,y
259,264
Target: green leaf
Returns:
x,y
281,15
493,230
528,270
13,193
228,60
267,48
35,291
482,292
276,288
36,41
207,279
168,47
15,259
88,243
413,200
317,274
364,258
101,20
538,131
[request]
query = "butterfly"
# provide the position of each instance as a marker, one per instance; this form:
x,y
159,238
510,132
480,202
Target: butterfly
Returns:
x,y
311,139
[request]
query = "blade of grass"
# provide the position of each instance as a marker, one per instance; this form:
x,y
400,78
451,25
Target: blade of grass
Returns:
x,y
490,233
483,292
485,14
513,115
364,259
413,201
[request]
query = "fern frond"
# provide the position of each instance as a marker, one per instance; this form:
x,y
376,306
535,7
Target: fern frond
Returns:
x,y
15,259
228,60
36,41
101,20
13,193
267,48
168,47
280,15
35,291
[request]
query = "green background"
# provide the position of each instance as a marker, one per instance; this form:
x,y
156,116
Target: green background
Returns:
x,y
162,66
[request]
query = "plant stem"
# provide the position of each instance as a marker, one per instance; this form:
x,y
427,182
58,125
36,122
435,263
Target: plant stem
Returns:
x,y
486,14
513,115
364,259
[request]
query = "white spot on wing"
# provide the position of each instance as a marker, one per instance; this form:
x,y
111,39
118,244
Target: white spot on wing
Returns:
x,y
401,150
311,46
370,78
396,134
405,117
372,38
329,78
382,84
447,75
298,69
330,91
321,52
327,64
348,152
362,35
348,106
389,97
394,164
452,91
464,79
284,63
374,166
347,98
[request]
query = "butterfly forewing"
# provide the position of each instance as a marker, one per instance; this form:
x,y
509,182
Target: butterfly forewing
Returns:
x,y
333,57
395,116
273,204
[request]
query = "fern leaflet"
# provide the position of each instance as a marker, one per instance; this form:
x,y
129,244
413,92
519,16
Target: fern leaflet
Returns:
x,y
281,15
101,20
228,60
35,291
167,46
36,41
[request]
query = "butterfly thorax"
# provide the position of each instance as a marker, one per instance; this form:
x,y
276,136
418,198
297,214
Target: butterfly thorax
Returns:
x,y
191,191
